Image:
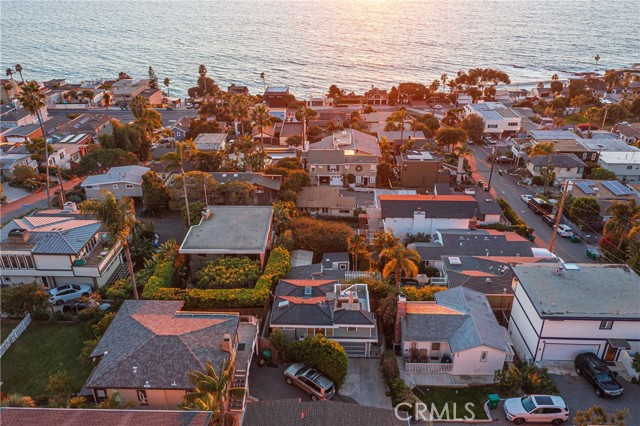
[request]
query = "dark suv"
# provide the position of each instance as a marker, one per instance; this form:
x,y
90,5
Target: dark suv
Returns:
x,y
597,372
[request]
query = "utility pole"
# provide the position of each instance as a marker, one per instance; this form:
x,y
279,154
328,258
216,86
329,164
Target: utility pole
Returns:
x,y
493,161
559,215
606,110
206,201
62,196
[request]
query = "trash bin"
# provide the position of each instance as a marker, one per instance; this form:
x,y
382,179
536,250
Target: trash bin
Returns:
x,y
574,239
494,399
531,237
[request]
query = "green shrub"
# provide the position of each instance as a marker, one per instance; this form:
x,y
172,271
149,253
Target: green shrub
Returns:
x,y
229,272
426,293
509,380
41,314
326,356
390,370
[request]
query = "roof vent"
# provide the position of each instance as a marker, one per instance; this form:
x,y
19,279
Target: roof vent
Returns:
x,y
488,280
147,384
307,290
135,369
283,304
174,384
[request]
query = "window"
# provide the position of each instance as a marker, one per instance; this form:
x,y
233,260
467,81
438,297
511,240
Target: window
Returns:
x,y
329,332
344,211
333,168
101,393
23,263
142,397
568,169
483,356
342,266
129,186
61,155
606,325
373,168
513,124
435,346
352,328
115,186
312,169
358,179
372,180
5,262
492,126
629,167
29,262
346,167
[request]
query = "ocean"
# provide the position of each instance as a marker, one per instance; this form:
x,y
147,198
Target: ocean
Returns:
x,y
311,44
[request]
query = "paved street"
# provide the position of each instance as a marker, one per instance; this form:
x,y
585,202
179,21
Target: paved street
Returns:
x,y
33,201
506,186
168,117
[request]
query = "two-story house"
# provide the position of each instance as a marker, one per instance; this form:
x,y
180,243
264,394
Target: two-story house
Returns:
x,y
498,119
125,89
625,165
562,310
180,128
211,141
376,96
333,167
421,169
340,312
123,181
57,247
9,161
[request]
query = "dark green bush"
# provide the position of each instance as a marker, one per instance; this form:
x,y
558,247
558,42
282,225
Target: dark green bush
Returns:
x,y
326,356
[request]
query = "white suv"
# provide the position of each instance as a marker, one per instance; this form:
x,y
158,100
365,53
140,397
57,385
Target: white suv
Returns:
x,y
537,409
565,231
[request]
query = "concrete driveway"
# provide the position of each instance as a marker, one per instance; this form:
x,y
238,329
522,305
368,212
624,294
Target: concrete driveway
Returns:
x,y
365,384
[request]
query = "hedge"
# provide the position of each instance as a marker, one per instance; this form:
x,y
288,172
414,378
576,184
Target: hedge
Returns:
x,y
203,299
517,224
400,392
425,293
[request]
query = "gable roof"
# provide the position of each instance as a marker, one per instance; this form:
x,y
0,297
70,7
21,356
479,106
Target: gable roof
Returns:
x,y
473,324
434,206
161,343
351,140
557,160
123,174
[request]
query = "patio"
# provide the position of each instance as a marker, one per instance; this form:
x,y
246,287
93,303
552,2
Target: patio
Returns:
x,y
437,374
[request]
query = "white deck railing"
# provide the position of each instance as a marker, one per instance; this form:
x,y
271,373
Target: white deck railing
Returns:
x,y
15,334
352,275
424,367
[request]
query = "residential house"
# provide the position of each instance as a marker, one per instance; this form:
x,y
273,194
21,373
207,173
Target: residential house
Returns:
x,y
333,166
288,129
9,90
325,201
605,192
463,99
334,266
151,346
92,124
229,231
153,96
565,166
340,312
412,214
625,165
237,90
267,186
266,137
563,310
181,128
420,169
211,141
629,133
376,96
125,89
13,115
288,412
354,141
498,119
411,139
277,96
124,181
464,242
11,160
58,247
457,334
101,417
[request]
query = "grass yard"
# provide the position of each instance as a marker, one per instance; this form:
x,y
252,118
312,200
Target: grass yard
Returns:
x,y
41,350
6,327
460,396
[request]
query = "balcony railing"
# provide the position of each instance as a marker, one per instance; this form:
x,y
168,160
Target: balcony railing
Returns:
x,y
425,367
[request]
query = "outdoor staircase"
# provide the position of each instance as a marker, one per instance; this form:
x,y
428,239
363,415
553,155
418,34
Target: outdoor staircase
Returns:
x,y
120,272
236,402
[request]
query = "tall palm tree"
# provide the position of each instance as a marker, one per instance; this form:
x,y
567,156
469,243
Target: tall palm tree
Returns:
x,y
17,400
597,58
356,245
396,121
263,77
9,73
33,100
625,217
461,150
118,218
202,70
261,118
210,389
19,70
443,79
176,158
167,82
401,260
239,108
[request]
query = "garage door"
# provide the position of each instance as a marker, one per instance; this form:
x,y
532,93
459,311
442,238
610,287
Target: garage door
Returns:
x,y
566,351
355,350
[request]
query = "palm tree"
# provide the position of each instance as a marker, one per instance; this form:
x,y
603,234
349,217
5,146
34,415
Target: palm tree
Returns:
x,y
9,73
597,58
396,121
263,77
19,70
625,217
443,79
239,109
461,150
555,77
167,82
176,158
401,259
210,389
545,148
356,245
33,100
138,104
202,70
17,400
118,218
107,99
261,118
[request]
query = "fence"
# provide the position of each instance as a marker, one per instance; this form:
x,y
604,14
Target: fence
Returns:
x,y
15,334
352,275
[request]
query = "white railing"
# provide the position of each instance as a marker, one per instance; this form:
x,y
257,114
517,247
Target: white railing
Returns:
x,y
352,275
438,281
15,334
424,367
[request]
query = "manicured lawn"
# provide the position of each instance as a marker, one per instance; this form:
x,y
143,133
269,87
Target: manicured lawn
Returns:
x,y
458,396
41,350
6,327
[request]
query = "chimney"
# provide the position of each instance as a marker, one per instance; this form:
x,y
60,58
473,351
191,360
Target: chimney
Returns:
x,y
401,313
18,236
226,343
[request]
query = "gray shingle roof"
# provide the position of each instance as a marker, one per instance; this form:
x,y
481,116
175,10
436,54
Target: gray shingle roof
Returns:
x,y
360,141
440,206
557,160
127,174
161,343
315,271
470,324
268,181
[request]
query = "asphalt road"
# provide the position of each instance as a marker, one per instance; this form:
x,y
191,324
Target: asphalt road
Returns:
x,y
168,117
506,186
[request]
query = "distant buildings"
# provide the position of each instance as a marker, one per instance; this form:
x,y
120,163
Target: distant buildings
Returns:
x,y
277,96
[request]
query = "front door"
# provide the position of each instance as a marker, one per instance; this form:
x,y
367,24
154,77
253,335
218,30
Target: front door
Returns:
x,y
435,350
610,354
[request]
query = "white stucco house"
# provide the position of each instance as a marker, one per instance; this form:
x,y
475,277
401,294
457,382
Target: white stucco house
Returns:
x,y
626,165
498,119
562,310
457,334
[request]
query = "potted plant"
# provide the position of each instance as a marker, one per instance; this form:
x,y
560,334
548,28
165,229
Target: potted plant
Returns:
x,y
351,180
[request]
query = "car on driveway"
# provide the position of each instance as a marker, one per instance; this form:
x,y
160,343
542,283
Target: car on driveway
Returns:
x,y
536,409
565,231
598,374
79,304
310,381
66,293
526,197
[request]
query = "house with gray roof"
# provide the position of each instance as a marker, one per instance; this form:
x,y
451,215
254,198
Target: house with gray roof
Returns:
x,y
58,247
267,186
565,166
457,334
340,312
333,166
10,160
562,310
123,181
151,346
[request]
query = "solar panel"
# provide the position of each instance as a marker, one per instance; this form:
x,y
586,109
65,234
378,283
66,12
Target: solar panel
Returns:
x,y
584,187
617,188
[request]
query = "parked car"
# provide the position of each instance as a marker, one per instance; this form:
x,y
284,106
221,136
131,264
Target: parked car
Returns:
x,y
503,159
310,381
470,191
549,219
536,408
596,371
565,231
540,206
69,292
438,106
79,304
526,197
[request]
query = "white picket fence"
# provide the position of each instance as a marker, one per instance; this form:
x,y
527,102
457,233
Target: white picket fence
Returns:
x,y
15,334
352,275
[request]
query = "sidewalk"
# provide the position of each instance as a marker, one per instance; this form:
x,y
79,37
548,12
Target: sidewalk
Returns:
x,y
37,200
